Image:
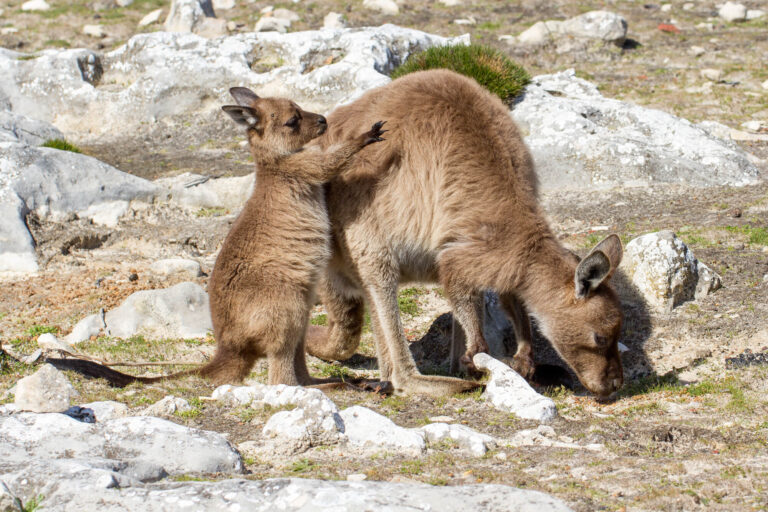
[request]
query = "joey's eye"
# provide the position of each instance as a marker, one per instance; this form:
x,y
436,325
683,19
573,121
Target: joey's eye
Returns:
x,y
292,122
600,341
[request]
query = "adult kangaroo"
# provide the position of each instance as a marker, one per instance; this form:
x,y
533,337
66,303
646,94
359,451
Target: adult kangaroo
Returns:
x,y
451,197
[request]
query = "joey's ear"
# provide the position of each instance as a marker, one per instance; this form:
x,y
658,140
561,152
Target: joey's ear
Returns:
x,y
598,265
243,96
245,116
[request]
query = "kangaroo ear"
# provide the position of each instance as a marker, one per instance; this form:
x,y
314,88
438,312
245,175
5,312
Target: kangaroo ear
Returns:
x,y
245,116
243,96
598,265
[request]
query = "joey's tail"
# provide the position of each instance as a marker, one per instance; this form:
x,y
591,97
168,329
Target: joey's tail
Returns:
x,y
115,378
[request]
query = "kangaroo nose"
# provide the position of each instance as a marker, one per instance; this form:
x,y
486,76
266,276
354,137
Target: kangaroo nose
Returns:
x,y
322,120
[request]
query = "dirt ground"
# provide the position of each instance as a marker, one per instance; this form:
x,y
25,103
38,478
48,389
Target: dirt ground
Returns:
x,y
689,430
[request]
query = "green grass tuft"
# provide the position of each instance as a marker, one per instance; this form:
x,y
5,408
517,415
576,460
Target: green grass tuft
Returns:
x,y
491,68
62,145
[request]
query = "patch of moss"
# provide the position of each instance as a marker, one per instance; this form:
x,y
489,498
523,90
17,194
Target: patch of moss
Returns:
x,y
489,67
61,144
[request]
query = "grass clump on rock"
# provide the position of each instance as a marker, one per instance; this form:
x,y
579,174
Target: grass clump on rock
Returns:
x,y
489,67
62,145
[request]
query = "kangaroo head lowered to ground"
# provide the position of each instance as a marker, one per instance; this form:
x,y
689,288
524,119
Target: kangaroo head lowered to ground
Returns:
x,y
450,197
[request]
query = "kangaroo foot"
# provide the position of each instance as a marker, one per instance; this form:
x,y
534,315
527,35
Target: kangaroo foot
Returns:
x,y
469,366
380,387
433,385
524,365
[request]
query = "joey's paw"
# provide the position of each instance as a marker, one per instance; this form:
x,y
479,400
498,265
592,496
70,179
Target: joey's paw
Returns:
x,y
374,135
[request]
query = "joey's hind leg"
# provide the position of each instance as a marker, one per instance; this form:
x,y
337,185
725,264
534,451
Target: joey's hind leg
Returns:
x,y
522,362
338,341
468,309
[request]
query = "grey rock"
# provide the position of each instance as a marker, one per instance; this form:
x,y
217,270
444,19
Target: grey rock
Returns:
x,y
35,5
224,4
104,486
370,430
180,311
46,390
286,14
508,391
176,77
545,436
665,271
272,24
106,214
539,33
96,31
581,140
168,406
91,325
753,14
18,128
603,25
51,342
175,448
715,75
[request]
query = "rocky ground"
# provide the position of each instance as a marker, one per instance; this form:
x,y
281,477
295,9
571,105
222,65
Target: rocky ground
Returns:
x,y
688,430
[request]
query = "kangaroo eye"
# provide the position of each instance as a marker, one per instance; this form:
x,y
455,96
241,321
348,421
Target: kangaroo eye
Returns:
x,y
601,341
292,122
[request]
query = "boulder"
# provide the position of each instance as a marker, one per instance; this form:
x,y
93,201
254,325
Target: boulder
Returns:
x,y
106,486
194,191
581,140
388,7
370,430
151,17
732,11
18,128
177,266
46,390
180,311
507,391
666,272
180,78
167,407
91,325
466,438
175,448
603,25
54,185
196,16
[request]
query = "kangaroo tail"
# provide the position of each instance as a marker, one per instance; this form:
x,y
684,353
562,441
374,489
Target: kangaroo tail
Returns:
x,y
115,378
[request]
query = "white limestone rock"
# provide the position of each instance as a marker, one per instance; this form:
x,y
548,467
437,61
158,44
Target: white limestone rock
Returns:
x,y
167,407
545,436
334,21
106,214
96,31
194,191
581,140
46,390
51,342
466,438
604,25
370,430
35,5
53,184
180,311
177,266
224,5
666,272
180,78
508,391
196,16
732,11
753,14
388,7
18,128
107,486
151,18
107,410
539,33
272,24
92,325
177,449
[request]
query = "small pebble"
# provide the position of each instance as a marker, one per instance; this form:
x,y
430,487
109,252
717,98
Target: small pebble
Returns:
x,y
356,477
133,277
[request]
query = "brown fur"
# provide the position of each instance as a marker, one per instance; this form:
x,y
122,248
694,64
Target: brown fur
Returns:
x,y
451,197
263,283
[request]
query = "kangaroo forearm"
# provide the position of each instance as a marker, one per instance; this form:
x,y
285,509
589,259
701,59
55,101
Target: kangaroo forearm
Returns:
x,y
321,168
